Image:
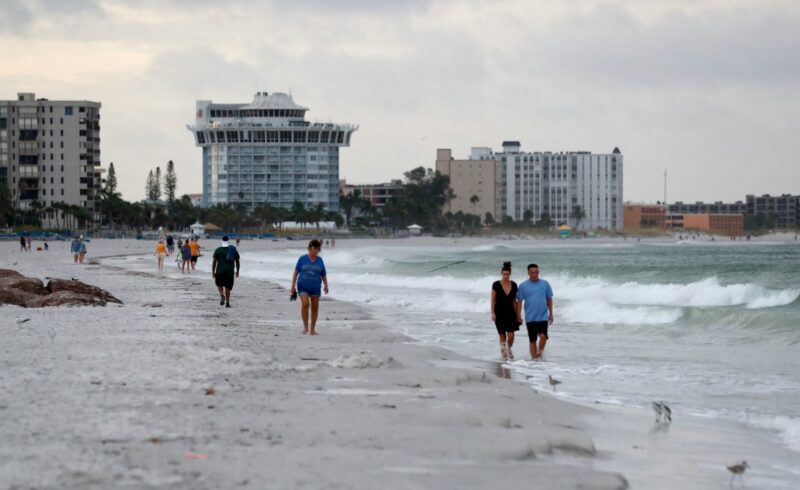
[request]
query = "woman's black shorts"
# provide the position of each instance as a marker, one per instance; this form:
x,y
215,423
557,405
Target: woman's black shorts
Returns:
x,y
505,326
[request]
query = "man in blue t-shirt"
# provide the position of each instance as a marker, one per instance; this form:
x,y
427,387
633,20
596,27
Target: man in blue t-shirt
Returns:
x,y
537,296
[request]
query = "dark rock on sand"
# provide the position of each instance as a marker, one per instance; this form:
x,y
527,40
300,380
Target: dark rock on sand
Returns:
x,y
10,296
78,287
21,283
66,298
16,289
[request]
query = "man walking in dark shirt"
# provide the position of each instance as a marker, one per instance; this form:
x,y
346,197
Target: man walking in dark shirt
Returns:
x,y
222,270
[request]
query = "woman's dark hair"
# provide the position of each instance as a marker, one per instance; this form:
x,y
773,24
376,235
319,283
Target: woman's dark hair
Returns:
x,y
506,267
315,244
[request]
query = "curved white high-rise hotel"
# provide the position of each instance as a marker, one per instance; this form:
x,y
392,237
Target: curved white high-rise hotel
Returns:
x,y
266,152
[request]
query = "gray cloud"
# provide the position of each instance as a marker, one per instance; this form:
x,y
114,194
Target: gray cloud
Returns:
x,y
17,15
610,46
14,16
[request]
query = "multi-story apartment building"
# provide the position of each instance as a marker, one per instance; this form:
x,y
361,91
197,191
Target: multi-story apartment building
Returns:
x,y
473,182
50,152
378,195
266,152
718,224
638,216
783,209
708,208
553,183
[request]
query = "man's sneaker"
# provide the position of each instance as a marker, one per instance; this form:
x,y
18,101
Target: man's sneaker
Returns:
x,y
227,305
221,300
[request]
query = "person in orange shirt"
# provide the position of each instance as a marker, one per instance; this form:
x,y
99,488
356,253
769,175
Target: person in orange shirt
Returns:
x,y
161,251
195,248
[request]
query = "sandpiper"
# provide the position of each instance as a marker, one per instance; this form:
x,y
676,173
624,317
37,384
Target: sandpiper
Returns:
x,y
659,412
667,412
738,469
663,412
553,382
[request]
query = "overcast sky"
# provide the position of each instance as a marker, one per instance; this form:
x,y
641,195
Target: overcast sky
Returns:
x,y
707,89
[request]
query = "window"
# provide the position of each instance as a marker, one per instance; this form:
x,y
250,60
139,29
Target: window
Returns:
x,y
67,110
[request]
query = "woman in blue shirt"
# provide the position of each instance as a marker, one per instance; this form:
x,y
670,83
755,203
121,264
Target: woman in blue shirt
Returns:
x,y
308,274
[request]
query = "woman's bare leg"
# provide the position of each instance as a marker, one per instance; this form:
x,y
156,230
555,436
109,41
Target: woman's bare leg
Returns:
x,y
304,304
314,314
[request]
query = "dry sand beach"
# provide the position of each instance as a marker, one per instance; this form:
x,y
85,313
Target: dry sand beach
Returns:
x,y
169,390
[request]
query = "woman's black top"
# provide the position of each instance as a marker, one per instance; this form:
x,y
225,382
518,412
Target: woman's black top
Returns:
x,y
504,303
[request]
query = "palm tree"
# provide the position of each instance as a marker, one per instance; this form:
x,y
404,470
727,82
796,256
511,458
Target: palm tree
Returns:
x,y
474,200
36,208
317,214
299,213
578,215
349,202
527,216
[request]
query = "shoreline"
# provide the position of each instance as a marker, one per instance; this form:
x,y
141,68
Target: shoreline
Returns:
x,y
562,442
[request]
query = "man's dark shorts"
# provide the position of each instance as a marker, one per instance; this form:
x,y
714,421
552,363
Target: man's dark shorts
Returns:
x,y
194,258
537,328
504,327
224,281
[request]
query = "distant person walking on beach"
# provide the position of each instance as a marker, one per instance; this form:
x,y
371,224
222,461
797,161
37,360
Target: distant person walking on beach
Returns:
x,y
186,257
28,241
222,270
75,248
170,245
537,297
161,251
308,274
82,250
195,249
505,310
22,247
179,254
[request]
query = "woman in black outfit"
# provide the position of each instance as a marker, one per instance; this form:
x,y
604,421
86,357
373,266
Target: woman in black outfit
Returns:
x,y
505,310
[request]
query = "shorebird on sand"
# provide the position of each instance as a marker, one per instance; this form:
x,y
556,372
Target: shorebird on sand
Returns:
x,y
553,382
663,412
738,469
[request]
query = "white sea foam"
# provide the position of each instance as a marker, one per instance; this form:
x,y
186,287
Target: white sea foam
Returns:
x,y
602,313
706,293
489,248
787,427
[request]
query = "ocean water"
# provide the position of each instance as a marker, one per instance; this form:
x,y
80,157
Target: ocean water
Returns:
x,y
713,329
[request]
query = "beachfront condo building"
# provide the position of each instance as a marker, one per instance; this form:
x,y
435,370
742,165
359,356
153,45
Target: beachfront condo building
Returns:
x,y
699,207
473,182
377,195
266,152
50,153
544,184
776,211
